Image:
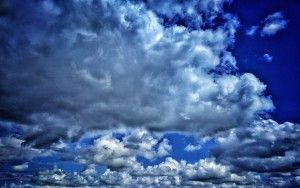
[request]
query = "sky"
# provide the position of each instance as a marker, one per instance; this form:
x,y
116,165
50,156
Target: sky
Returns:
x,y
100,93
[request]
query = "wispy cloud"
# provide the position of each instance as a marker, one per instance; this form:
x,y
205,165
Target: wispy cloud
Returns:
x,y
273,24
252,30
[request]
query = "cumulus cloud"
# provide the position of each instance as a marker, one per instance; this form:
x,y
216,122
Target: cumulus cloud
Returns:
x,y
266,147
273,24
66,70
72,69
112,152
168,173
118,153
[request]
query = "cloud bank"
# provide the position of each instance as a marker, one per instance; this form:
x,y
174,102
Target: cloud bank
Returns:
x,y
101,83
117,65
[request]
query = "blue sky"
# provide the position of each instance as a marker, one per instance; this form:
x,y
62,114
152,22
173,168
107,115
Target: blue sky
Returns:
x,y
149,93
281,75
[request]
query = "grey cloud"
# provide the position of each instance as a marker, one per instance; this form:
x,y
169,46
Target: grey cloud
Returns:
x,y
243,157
264,147
68,70
11,144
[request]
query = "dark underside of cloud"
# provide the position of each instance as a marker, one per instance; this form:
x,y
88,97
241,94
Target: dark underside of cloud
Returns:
x,y
72,71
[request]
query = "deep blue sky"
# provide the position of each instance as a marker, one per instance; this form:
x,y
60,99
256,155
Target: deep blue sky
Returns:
x,y
282,74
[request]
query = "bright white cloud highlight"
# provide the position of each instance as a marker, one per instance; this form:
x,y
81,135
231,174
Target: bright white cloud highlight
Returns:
x,y
273,24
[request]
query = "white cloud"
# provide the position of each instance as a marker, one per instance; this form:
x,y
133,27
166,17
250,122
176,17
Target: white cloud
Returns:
x,y
121,153
273,24
172,172
117,65
252,30
168,173
268,58
21,167
111,152
164,148
192,148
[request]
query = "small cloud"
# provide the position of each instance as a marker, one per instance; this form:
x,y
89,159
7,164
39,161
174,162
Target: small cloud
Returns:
x,y
20,167
273,24
192,148
252,30
268,58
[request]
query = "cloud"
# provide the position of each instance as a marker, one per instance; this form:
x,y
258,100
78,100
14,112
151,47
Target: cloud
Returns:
x,y
21,167
252,30
112,152
80,71
168,173
191,148
117,153
117,65
268,58
11,146
266,146
273,24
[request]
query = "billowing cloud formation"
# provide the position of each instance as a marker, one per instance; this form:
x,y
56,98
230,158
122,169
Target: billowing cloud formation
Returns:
x,y
266,148
83,65
273,23
99,83
114,153
169,173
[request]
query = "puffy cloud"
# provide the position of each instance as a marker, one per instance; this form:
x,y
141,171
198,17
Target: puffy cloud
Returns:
x,y
117,65
266,149
70,69
58,177
168,173
118,153
266,146
268,58
191,148
273,24
192,14
112,152
244,156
